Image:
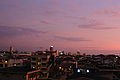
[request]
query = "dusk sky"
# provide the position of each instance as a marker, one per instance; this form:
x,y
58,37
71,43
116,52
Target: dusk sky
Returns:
x,y
68,25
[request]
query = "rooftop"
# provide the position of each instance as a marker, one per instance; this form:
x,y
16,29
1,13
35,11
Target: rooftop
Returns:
x,y
16,70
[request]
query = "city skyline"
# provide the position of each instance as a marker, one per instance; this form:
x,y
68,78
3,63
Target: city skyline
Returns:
x,y
66,24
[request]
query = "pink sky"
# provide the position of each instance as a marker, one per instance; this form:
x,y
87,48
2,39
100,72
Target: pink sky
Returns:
x,y
66,24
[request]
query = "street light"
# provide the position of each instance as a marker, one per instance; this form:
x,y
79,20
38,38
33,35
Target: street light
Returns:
x,y
78,70
88,71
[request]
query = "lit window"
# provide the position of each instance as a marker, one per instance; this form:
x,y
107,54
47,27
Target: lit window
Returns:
x,y
39,63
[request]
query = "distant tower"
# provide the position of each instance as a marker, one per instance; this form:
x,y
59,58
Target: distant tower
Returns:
x,y
51,48
53,54
11,49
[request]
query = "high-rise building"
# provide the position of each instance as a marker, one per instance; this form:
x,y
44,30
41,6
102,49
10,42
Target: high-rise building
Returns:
x,y
11,49
43,60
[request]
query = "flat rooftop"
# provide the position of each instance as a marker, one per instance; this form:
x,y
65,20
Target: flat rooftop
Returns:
x,y
16,70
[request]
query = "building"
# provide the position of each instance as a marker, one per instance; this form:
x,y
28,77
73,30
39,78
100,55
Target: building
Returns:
x,y
43,60
6,61
40,61
19,73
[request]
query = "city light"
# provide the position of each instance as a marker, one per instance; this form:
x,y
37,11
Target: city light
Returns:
x,y
6,61
59,40
116,57
51,46
60,67
61,53
88,71
78,70
39,63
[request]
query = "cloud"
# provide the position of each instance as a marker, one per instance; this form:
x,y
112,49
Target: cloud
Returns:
x,y
6,31
71,38
109,11
76,17
61,8
96,26
90,48
46,22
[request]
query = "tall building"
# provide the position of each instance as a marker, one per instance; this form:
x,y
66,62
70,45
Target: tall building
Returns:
x,y
11,49
43,60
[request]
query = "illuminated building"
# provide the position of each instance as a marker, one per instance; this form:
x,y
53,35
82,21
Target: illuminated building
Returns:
x,y
10,62
39,61
43,60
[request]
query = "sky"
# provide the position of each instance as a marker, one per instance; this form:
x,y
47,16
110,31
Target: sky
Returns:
x,y
68,25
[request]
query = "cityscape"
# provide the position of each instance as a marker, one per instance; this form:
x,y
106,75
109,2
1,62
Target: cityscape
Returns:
x,y
59,40
51,64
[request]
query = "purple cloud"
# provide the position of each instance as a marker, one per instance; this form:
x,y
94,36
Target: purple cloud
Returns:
x,y
46,22
109,11
76,17
71,38
6,31
96,26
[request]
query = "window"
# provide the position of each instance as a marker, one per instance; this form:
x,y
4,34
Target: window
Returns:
x,y
6,59
44,64
0,60
45,74
6,65
44,59
44,69
1,65
39,63
33,59
39,58
33,63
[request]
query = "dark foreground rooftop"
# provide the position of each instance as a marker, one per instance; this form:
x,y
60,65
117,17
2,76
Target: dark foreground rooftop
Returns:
x,y
16,70
96,76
